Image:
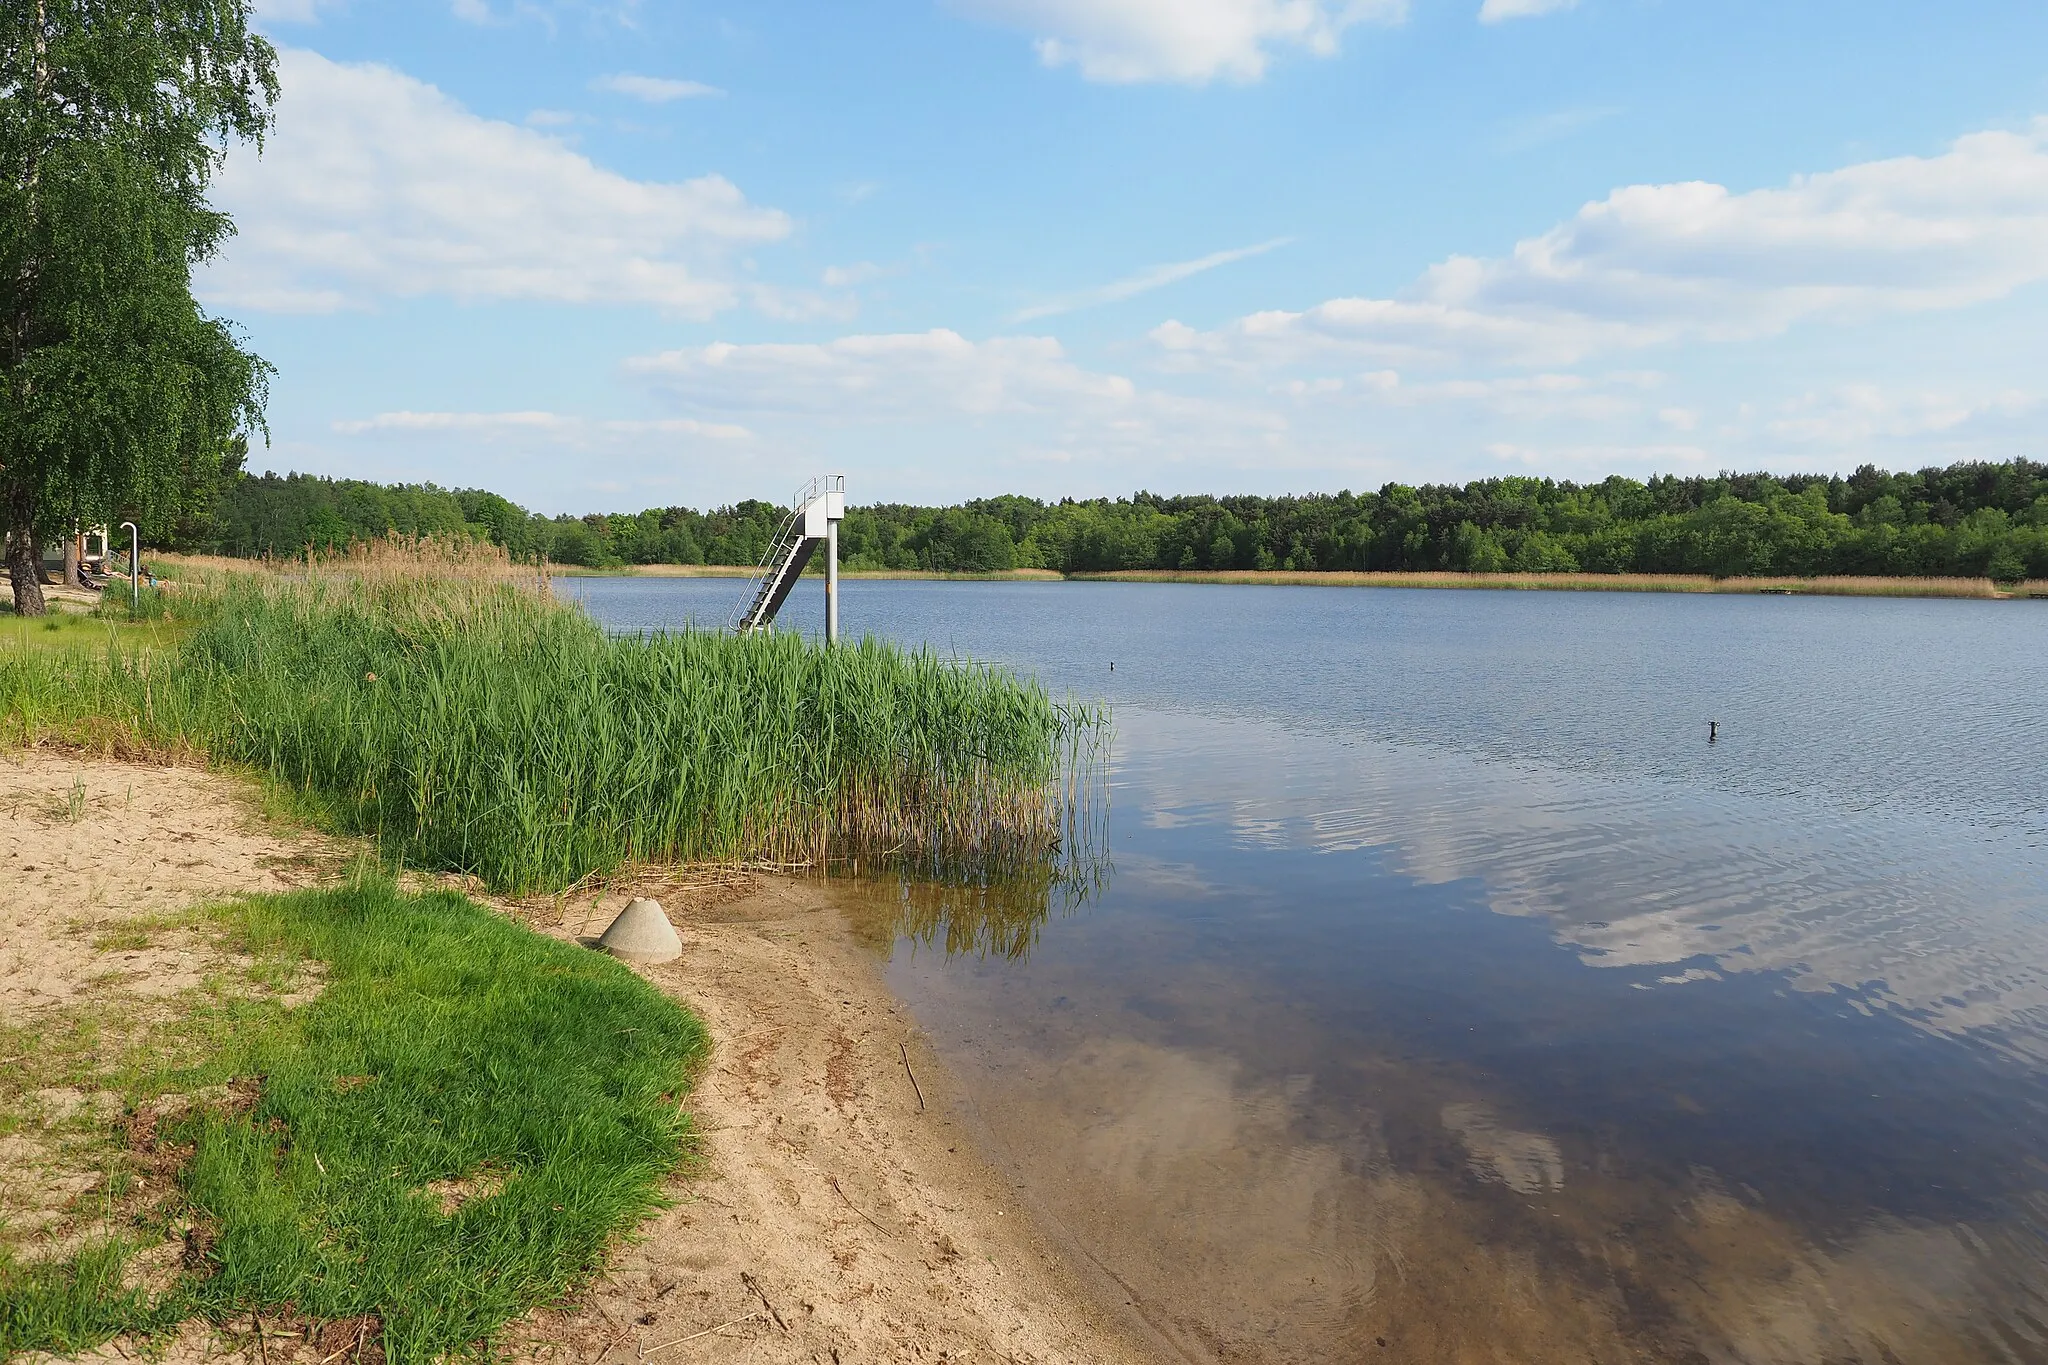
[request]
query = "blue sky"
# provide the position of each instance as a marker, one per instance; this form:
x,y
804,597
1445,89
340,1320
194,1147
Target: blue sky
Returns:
x,y
607,255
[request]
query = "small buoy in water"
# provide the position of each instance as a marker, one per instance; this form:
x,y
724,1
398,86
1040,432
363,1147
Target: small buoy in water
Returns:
x,y
1713,731
1112,665
642,933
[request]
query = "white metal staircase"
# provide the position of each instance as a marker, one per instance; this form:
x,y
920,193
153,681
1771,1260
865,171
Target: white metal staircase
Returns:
x,y
812,520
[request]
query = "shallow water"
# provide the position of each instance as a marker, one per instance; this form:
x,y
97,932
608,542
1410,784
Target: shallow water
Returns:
x,y
1449,990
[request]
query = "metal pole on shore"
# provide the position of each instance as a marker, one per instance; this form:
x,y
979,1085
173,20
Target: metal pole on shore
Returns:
x,y
832,581
134,569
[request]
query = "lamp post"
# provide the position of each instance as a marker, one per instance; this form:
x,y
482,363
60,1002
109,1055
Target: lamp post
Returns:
x,y
134,569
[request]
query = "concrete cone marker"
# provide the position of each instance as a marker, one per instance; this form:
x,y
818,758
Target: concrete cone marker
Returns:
x,y
642,933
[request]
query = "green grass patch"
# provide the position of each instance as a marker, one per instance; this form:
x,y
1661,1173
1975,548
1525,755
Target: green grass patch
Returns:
x,y
74,1304
127,938
449,1045
70,631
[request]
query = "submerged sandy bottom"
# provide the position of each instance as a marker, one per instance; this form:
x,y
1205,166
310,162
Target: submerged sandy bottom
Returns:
x,y
1241,1223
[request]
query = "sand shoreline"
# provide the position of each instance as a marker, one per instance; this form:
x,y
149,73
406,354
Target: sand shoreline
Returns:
x,y
851,1197
840,1212
1790,585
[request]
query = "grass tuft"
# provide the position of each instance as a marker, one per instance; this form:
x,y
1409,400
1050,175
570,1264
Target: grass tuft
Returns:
x,y
72,1305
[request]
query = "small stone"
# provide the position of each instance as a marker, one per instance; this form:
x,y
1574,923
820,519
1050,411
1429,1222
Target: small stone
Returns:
x,y
642,933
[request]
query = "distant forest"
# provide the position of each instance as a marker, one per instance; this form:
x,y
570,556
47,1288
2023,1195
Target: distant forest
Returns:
x,y
1967,519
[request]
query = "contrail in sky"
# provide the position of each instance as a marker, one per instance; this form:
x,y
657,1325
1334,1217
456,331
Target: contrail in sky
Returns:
x,y
1131,286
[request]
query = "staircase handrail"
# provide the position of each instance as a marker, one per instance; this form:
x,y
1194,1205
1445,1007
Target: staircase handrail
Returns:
x,y
779,545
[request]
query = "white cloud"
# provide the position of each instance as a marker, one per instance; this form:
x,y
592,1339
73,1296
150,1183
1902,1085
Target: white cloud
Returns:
x,y
1124,41
1653,264
1493,11
1144,281
847,276
575,429
1853,416
471,11
1543,396
938,371
1018,399
654,89
451,421
375,185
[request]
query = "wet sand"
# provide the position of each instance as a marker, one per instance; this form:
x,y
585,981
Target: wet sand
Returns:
x,y
843,1211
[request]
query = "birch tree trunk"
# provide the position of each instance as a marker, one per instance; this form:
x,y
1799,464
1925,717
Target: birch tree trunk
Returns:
x,y
24,566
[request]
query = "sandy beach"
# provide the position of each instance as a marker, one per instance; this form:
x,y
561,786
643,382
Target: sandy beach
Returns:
x,y
838,1211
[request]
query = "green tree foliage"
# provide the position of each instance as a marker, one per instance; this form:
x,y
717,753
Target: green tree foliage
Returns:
x,y
1968,519
118,393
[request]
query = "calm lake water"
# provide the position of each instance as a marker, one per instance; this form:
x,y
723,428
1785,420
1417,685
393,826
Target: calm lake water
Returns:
x,y
1447,996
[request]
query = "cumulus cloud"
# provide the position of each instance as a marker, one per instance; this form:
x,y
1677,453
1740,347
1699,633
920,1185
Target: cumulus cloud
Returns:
x,y
654,89
1493,11
376,185
1652,264
1126,41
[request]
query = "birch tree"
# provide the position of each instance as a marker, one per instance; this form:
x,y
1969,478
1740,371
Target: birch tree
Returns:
x,y
116,387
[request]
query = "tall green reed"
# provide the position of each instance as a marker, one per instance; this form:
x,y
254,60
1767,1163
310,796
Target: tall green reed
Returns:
x,y
471,723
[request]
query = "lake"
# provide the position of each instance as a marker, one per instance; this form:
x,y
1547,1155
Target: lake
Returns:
x,y
1441,993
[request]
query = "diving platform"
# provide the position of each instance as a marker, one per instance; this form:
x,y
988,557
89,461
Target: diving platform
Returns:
x,y
810,524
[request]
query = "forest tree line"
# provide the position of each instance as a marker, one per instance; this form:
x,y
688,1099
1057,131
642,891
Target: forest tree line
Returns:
x,y
1971,520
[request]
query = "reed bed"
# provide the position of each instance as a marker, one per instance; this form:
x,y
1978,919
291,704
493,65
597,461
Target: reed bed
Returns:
x,y
457,714
1842,586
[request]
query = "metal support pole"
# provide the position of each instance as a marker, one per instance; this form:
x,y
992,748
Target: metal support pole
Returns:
x,y
134,569
832,581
